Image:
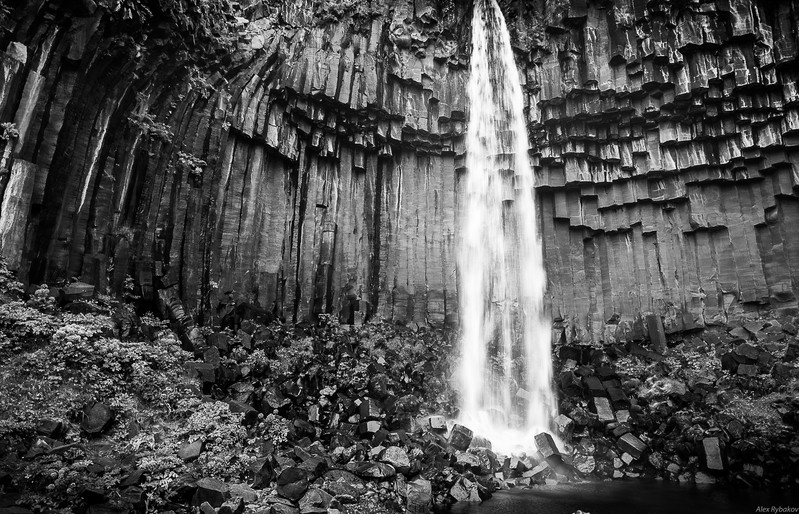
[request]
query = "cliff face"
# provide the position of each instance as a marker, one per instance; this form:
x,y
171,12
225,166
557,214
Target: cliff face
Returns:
x,y
317,168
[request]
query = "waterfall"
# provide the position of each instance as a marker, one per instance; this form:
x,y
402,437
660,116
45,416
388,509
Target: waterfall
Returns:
x,y
505,371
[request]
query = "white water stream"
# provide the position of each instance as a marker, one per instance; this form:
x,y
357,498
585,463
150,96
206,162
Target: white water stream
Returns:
x,y
506,369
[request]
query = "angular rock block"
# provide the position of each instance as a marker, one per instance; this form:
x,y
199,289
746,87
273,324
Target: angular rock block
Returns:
x,y
564,425
547,448
714,459
292,483
211,491
603,409
631,444
191,451
419,497
396,457
460,437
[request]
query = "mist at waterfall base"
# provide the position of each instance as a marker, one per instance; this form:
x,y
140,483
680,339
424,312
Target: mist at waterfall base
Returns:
x,y
505,372
641,497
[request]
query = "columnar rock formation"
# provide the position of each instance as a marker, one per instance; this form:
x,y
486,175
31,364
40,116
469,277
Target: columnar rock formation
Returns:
x,y
317,168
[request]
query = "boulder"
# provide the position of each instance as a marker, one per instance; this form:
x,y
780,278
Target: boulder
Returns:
x,y
190,451
713,455
244,492
375,470
584,464
369,427
76,291
460,437
396,457
370,409
603,409
292,483
546,447
343,491
631,444
419,497
570,384
747,351
564,425
17,51
96,418
437,423
465,490
250,414
50,428
315,501
220,341
593,386
749,370
211,491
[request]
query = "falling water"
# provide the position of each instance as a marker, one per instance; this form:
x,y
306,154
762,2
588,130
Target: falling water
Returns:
x,y
505,370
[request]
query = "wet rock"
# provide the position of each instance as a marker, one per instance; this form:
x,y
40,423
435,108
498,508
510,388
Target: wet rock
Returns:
x,y
593,386
396,457
375,470
703,478
465,461
713,454
370,409
603,409
564,426
584,464
437,423
419,498
460,437
465,490
369,427
211,491
618,399
570,384
632,445
546,447
96,418
292,483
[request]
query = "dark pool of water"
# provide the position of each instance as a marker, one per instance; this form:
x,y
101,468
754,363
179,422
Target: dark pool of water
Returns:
x,y
633,498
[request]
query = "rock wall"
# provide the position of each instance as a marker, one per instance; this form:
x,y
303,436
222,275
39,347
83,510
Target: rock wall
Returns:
x,y
316,169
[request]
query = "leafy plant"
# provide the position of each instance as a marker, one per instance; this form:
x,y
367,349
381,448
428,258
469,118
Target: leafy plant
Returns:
x,y
191,165
206,25
154,129
8,131
360,11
